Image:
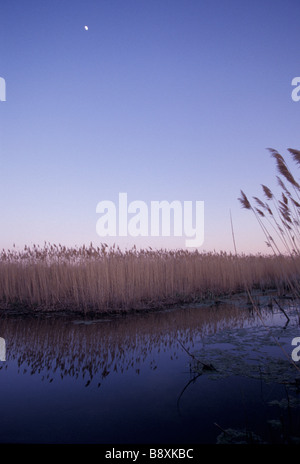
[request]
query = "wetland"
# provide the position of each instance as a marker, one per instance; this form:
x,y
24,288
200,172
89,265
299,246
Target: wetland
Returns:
x,y
202,374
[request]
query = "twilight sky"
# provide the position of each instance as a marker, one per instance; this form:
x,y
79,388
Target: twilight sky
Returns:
x,y
159,99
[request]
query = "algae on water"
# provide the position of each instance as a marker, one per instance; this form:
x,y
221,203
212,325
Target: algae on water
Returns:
x,y
258,352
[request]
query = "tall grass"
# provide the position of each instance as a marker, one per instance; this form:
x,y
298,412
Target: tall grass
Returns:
x,y
54,277
279,215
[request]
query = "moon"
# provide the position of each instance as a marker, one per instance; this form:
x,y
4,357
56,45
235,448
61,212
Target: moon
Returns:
x,y
86,28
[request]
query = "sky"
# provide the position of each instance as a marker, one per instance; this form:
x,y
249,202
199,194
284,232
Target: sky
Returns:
x,y
174,100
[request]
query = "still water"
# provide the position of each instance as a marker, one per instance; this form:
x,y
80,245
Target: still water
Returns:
x,y
133,379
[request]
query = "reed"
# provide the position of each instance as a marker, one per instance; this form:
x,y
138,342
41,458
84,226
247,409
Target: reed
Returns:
x,y
279,215
104,279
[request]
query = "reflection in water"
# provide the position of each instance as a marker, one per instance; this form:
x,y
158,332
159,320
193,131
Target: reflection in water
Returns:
x,y
128,379
91,350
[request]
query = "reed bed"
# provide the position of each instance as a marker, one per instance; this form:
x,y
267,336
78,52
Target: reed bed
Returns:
x,y
105,279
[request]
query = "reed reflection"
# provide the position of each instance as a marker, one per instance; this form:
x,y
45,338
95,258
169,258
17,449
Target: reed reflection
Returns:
x,y
91,351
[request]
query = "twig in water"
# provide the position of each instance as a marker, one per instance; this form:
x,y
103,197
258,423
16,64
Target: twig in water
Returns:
x,y
281,309
209,367
186,386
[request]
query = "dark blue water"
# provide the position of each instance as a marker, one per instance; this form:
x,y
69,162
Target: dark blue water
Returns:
x,y
129,380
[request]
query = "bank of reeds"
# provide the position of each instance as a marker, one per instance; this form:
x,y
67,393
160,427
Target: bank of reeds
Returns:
x,y
102,279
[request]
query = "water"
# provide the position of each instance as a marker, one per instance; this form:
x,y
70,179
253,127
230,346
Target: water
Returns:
x,y
119,380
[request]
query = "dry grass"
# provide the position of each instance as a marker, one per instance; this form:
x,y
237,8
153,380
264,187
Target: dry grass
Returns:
x,y
106,279
279,216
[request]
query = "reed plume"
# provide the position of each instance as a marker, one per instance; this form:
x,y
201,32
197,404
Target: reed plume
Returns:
x,y
281,214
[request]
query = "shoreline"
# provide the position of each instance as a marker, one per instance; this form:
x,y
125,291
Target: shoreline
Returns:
x,y
95,282
240,298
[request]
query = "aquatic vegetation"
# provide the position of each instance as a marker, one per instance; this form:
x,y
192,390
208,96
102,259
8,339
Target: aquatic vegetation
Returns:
x,y
239,437
103,279
259,352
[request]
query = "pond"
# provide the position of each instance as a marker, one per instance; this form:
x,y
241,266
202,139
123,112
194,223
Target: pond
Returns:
x,y
201,375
